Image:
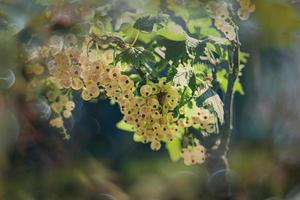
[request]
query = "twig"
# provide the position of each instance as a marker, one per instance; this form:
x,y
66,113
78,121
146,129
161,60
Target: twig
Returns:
x,y
108,39
135,39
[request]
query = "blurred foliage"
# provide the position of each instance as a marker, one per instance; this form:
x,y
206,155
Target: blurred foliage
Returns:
x,y
28,169
279,22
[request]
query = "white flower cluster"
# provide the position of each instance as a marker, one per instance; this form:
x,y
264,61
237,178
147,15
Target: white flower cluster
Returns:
x,y
220,14
246,8
193,155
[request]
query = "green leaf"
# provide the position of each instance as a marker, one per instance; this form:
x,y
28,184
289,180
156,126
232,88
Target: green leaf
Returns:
x,y
179,9
124,18
175,51
124,126
144,24
186,94
174,149
172,71
202,26
222,79
136,56
137,138
193,83
238,87
172,32
190,105
147,23
200,68
244,57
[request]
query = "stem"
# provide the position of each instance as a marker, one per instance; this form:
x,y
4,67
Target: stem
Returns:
x,y
114,56
217,159
228,104
109,39
136,38
214,77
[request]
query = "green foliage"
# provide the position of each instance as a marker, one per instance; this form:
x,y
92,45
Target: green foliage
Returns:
x,y
174,149
136,56
202,26
172,31
161,62
124,126
222,79
147,23
285,23
193,83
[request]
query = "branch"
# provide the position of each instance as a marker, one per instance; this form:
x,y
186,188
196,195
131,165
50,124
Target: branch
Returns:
x,y
234,62
217,159
226,128
109,39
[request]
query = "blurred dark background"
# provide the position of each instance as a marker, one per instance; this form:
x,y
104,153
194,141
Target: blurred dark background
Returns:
x,y
102,162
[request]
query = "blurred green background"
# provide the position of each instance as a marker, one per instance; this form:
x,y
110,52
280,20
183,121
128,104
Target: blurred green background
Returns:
x,y
102,162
